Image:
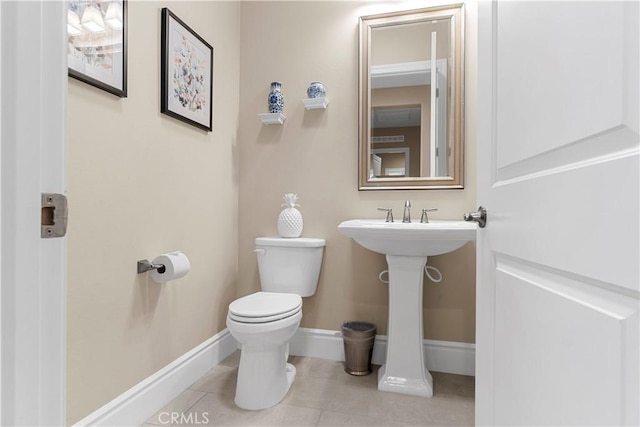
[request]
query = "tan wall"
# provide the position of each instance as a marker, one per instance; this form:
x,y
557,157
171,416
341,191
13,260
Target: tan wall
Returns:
x,y
315,154
142,183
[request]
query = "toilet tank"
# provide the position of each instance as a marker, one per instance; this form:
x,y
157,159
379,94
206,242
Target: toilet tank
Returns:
x,y
290,265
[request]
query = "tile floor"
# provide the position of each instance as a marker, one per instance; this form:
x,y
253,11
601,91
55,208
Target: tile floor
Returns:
x,y
322,395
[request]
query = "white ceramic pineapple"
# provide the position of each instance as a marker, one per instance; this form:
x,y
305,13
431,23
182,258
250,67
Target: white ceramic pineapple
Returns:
x,y
290,219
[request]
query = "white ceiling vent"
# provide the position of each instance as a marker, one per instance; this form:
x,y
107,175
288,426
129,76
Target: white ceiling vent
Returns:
x,y
391,138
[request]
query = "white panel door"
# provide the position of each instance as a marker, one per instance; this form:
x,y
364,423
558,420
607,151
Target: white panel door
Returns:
x,y
558,171
32,295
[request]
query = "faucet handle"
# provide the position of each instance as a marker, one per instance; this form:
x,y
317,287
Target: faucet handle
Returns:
x,y
389,214
425,218
407,203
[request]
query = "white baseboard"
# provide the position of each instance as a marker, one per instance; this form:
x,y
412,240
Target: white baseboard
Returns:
x,y
139,403
441,356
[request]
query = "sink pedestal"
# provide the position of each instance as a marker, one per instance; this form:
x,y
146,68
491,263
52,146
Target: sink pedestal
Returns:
x,y
404,370
407,246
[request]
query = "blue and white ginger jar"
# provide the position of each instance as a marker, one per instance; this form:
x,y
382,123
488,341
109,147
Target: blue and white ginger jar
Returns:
x,y
276,99
316,90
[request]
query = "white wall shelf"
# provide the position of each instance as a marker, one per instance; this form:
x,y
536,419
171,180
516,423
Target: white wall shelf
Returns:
x,y
272,118
316,103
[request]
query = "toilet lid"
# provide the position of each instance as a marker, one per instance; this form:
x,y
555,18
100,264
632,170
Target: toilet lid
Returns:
x,y
262,307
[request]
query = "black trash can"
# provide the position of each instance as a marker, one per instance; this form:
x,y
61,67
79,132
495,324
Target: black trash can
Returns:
x,y
358,346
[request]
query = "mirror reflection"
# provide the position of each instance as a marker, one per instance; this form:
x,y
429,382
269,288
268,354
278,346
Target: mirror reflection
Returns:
x,y
411,99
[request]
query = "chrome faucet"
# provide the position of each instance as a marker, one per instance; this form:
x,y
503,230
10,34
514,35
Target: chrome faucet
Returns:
x,y
406,216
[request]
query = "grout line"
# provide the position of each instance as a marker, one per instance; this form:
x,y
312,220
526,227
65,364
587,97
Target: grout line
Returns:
x,y
194,403
185,411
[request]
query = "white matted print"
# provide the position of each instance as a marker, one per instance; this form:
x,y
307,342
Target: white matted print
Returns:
x,y
186,73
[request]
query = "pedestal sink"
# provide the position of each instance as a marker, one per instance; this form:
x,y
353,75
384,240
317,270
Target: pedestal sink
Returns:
x,y
407,246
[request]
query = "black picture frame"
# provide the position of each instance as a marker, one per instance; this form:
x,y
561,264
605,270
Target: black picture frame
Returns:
x,y
97,48
186,73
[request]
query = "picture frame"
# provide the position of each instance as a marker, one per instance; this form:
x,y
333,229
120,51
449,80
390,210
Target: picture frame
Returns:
x,y
186,76
97,44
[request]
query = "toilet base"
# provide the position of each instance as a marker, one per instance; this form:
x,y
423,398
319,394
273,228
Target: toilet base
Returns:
x,y
264,378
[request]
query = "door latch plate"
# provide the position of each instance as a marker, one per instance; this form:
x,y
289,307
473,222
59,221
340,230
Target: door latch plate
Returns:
x,y
53,220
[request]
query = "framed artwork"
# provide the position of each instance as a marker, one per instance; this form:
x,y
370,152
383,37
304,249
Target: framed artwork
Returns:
x,y
97,43
186,75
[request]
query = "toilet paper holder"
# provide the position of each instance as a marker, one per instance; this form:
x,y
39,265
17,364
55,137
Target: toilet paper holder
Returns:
x,y
144,266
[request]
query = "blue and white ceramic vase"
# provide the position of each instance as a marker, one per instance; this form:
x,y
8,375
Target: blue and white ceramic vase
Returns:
x,y
316,90
276,99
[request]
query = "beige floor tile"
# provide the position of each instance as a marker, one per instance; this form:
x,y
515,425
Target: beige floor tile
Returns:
x,y
323,394
422,411
359,396
180,404
330,419
221,379
285,415
313,367
346,393
219,410
232,360
368,381
214,410
453,385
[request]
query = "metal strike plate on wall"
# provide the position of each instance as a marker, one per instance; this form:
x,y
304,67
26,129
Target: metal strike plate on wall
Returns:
x,y
53,220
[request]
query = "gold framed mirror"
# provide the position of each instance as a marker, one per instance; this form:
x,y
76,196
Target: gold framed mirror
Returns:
x,y
411,99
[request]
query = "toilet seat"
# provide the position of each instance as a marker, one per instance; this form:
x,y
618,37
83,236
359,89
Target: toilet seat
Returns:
x,y
264,307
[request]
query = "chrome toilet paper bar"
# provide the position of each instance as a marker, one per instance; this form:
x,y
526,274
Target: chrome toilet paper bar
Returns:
x,y
144,266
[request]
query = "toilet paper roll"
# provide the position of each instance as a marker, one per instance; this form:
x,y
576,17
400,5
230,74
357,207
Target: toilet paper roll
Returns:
x,y
176,265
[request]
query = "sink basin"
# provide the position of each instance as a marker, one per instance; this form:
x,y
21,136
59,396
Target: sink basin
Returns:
x,y
407,246
409,239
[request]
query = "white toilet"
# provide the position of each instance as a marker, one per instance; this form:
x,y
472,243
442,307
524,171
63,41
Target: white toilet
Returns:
x,y
264,322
